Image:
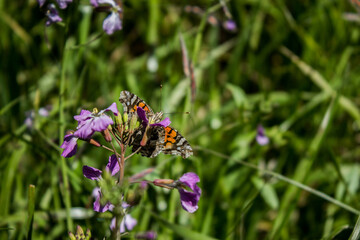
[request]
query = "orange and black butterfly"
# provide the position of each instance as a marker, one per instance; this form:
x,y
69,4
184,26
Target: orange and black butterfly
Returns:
x,y
160,139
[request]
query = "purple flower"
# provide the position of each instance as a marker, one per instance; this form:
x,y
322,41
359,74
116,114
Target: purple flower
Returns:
x,y
62,3
145,121
89,122
97,205
95,174
150,235
69,145
230,25
128,223
41,2
92,173
261,138
189,199
52,15
113,22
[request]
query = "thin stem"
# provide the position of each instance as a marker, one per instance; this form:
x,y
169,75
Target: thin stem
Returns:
x,y
137,150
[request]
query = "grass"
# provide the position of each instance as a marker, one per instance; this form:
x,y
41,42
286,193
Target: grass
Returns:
x,y
290,66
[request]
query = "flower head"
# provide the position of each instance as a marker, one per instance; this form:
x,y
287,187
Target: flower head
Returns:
x,y
189,192
95,174
69,145
128,223
230,25
97,205
63,3
91,122
261,138
113,22
189,199
52,15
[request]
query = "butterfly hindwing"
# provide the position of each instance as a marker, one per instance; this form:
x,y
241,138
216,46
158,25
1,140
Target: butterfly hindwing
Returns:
x,y
175,143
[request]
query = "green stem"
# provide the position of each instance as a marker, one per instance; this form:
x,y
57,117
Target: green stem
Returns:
x,y
66,189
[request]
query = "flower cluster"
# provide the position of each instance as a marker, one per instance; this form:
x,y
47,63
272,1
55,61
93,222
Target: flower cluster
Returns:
x,y
123,130
111,24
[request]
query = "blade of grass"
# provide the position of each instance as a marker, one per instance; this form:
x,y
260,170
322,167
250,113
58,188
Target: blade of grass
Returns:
x,y
66,189
321,82
31,209
355,235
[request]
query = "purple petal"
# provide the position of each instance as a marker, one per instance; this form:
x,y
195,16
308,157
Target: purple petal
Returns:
x,y
189,200
63,3
164,123
112,23
84,115
94,3
99,208
261,138
41,2
190,179
230,25
101,123
91,173
43,112
113,108
84,130
142,115
96,192
129,222
113,165
69,145
53,15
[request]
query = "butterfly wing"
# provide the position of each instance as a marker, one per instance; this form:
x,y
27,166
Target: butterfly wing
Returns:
x,y
175,144
131,102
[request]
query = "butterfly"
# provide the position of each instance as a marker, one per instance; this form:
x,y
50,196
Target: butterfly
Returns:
x,y
159,139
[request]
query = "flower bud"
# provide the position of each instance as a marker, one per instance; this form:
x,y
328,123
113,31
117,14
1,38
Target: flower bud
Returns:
x,y
71,236
125,117
133,122
165,183
118,119
107,135
95,143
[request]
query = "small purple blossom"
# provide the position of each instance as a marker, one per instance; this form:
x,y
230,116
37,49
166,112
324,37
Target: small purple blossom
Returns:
x,y
145,121
69,145
89,123
95,174
62,3
92,173
230,25
128,223
189,200
261,138
97,205
113,22
52,15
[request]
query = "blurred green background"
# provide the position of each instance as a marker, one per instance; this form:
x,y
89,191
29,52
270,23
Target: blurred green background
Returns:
x,y
291,66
